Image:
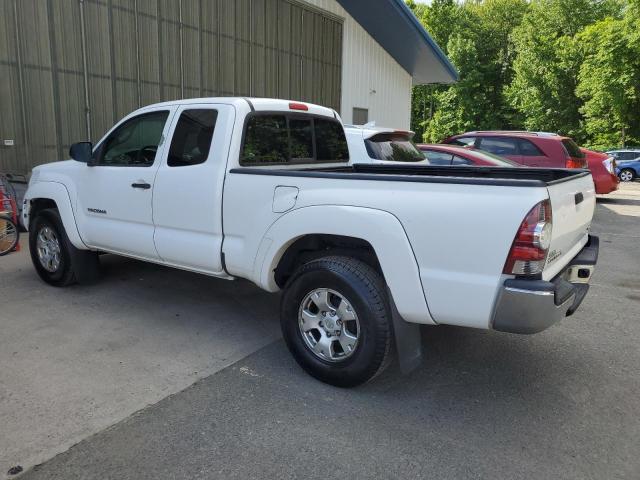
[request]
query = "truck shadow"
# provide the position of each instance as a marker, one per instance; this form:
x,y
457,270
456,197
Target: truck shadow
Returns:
x,y
617,201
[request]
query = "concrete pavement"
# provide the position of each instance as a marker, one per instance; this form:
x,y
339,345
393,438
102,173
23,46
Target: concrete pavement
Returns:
x,y
77,360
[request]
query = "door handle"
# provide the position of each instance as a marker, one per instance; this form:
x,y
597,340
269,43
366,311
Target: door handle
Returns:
x,y
144,186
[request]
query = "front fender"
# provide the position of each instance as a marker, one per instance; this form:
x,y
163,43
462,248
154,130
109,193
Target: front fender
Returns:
x,y
379,228
60,195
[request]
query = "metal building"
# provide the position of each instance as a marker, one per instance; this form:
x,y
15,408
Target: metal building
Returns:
x,y
69,69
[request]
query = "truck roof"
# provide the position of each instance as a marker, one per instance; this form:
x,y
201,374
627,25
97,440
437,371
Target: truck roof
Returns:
x,y
257,104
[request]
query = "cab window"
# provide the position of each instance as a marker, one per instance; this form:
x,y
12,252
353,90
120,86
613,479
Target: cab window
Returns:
x,y
191,140
135,142
272,139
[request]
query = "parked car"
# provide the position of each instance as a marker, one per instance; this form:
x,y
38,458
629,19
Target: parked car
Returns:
x,y
627,163
455,155
532,149
603,170
261,189
379,145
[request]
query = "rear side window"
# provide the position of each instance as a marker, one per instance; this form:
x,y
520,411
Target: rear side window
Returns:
x,y
191,140
437,158
301,142
394,147
572,148
499,145
266,140
273,139
528,149
331,144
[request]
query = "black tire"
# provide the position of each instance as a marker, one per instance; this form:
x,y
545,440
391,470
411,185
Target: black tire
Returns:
x,y
629,171
366,293
75,265
9,236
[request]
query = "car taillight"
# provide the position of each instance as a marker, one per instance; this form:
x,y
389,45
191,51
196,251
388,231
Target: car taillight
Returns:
x,y
610,165
529,249
573,162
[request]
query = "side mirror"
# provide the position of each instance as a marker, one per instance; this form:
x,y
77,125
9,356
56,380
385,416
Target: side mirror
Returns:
x,y
81,152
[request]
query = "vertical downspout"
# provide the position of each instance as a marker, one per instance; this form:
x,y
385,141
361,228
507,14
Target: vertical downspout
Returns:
x,y
137,27
23,105
87,105
181,50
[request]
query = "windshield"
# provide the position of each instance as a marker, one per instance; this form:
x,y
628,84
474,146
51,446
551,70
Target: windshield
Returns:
x,y
572,148
396,147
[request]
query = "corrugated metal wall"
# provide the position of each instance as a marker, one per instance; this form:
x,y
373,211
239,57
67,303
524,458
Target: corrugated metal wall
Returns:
x,y
69,69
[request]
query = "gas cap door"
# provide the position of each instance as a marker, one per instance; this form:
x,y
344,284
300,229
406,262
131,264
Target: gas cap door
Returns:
x,y
284,198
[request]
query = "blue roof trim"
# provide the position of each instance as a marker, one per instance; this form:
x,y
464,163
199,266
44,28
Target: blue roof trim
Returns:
x,y
432,43
394,26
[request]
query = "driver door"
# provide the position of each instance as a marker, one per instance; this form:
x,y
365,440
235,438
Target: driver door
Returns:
x,y
114,196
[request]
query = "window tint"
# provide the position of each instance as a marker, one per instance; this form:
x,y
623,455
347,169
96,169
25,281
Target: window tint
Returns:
x,y
464,141
266,140
499,146
331,144
572,148
437,158
393,146
301,138
628,155
528,149
135,142
278,139
192,138
461,161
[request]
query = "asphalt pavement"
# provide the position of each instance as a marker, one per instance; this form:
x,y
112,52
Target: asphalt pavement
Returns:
x,y
563,403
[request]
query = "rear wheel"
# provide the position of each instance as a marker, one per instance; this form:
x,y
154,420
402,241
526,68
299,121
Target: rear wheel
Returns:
x,y
335,319
54,257
627,175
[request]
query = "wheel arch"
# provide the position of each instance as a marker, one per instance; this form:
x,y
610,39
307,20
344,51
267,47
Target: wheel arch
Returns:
x,y
373,236
45,195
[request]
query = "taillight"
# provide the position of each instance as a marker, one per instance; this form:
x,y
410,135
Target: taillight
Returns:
x,y
610,165
529,249
573,162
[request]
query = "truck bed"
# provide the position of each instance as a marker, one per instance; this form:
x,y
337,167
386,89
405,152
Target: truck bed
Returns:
x,y
498,176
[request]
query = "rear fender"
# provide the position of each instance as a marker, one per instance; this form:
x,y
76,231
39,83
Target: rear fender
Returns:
x,y
379,228
60,195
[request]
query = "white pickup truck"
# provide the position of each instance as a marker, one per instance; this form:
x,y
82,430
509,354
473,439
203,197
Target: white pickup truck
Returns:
x,y
261,189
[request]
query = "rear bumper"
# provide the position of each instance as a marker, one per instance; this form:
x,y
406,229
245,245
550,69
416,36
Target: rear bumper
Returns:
x,y
606,183
530,306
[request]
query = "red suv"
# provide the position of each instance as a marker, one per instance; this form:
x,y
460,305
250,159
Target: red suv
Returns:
x,y
527,148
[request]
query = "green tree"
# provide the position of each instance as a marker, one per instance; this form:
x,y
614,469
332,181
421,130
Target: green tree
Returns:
x,y
476,37
548,60
609,80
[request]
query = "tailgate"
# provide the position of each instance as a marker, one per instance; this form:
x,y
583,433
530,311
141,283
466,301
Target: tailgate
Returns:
x,y
572,203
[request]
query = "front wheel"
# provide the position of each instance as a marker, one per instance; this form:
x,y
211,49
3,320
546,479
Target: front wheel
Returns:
x,y
53,255
626,175
335,319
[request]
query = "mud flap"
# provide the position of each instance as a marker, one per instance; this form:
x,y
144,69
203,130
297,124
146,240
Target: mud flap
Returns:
x,y
408,340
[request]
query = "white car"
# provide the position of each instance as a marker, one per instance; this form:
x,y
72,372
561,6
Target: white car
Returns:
x,y
380,145
261,189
